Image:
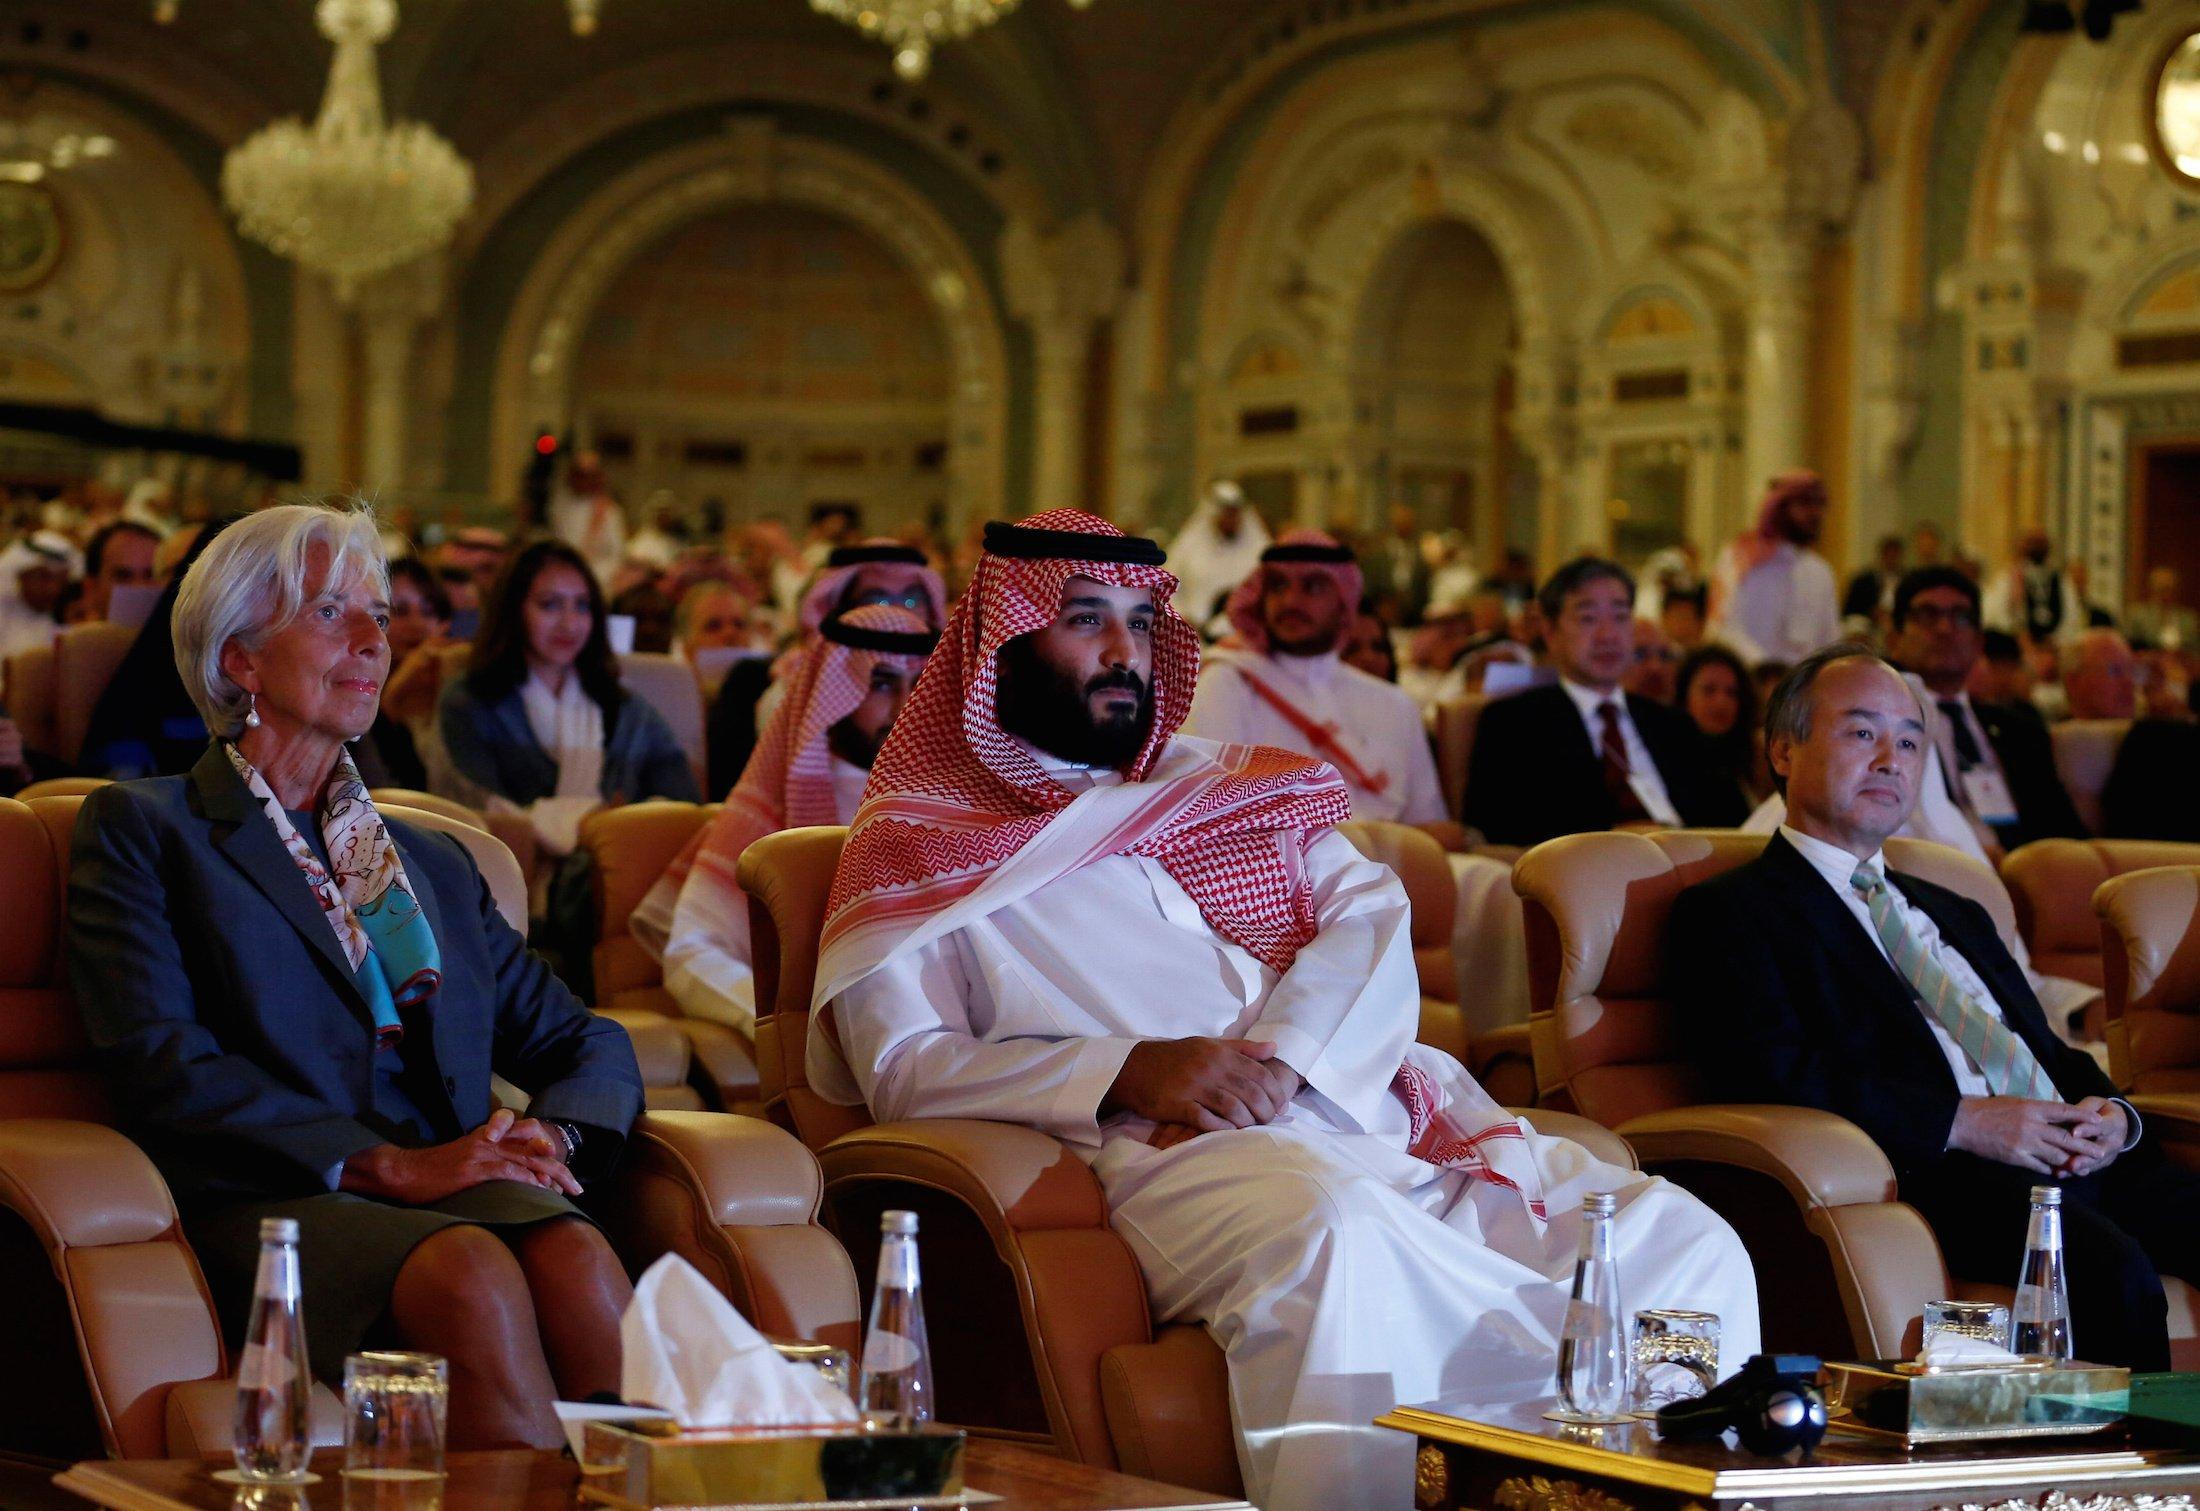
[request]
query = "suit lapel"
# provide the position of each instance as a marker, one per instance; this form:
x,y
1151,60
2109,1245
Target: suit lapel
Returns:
x,y
248,840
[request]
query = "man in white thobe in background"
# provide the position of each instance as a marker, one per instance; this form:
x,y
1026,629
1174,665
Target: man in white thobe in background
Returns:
x,y
1772,596
1218,545
1282,684
1054,910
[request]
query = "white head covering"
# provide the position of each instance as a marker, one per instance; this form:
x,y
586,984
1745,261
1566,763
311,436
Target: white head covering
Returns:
x,y
1208,566
22,627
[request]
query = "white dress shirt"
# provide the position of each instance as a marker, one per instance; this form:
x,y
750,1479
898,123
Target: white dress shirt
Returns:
x,y
1648,783
1782,610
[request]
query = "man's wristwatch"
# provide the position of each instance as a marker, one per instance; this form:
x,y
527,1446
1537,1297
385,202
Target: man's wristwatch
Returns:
x,y
571,1133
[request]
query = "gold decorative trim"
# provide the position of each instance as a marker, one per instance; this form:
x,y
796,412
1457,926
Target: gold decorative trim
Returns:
x,y
1535,1493
1431,1477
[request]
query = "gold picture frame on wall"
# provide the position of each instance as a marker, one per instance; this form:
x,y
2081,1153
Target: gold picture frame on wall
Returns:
x,y
31,235
2173,110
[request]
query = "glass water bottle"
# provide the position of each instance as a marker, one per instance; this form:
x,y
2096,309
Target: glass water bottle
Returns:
x,y
896,1388
2039,1319
274,1384
1592,1348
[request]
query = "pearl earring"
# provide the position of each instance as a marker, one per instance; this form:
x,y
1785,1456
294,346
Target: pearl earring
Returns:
x,y
252,711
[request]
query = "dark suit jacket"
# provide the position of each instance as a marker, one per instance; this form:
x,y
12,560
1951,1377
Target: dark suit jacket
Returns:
x,y
493,745
2150,792
1534,775
1783,997
2027,755
239,1045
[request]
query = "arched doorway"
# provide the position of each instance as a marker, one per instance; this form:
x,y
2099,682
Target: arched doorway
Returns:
x,y
1433,385
770,356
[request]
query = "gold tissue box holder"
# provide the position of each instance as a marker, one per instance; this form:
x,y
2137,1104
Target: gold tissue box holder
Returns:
x,y
648,1466
1914,1405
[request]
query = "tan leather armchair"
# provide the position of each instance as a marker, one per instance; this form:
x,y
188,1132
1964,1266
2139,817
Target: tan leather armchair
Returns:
x,y
85,657
632,845
1011,1218
29,689
1500,1059
429,802
1452,724
94,1258
2052,882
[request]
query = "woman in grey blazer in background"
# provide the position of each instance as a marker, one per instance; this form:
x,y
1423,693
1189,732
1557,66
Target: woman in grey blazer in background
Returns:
x,y
300,1005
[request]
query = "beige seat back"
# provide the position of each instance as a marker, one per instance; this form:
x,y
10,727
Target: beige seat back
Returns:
x,y
2085,754
429,802
1452,723
788,877
632,845
2052,882
668,684
1419,861
2150,954
85,658
29,690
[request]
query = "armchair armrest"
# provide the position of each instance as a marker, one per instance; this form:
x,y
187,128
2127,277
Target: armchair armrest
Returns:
x,y
2172,1118
1823,1160
81,1185
737,1198
1017,1179
1454,836
1594,1137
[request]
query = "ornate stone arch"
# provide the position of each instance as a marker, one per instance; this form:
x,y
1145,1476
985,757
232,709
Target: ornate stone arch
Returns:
x,y
533,376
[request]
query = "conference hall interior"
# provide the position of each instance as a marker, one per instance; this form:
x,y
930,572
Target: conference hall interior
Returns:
x,y
1103,753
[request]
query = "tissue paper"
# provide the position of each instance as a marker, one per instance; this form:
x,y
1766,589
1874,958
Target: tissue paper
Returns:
x,y
689,1352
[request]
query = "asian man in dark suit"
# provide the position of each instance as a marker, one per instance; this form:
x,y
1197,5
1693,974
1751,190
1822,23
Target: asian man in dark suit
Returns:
x,y
1583,755
1814,976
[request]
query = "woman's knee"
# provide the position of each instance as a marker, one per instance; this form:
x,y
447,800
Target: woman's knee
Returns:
x,y
466,1264
571,1247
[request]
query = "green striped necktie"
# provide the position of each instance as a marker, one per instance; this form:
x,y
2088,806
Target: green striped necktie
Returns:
x,y
2003,1058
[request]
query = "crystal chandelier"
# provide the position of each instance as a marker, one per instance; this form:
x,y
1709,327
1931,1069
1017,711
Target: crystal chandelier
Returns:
x,y
912,27
350,195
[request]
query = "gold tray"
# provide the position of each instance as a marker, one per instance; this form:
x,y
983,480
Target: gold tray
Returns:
x,y
640,1470
1898,1402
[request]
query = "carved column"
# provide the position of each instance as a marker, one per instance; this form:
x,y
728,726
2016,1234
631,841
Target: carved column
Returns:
x,y
1062,284
390,310
1778,366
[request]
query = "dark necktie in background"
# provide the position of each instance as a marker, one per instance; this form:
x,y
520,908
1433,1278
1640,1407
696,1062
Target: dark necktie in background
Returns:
x,y
1626,806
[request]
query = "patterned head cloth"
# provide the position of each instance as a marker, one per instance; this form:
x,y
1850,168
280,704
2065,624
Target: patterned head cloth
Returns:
x,y
1295,547
889,560
953,795
788,782
1758,543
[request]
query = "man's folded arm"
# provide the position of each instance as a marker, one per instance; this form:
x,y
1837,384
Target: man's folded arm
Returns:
x,y
1756,1043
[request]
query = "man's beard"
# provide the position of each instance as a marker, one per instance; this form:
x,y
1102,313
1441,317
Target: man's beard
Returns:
x,y
847,740
1040,704
1318,641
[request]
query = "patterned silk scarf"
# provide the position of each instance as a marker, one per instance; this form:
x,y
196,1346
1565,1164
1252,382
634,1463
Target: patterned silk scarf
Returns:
x,y
367,900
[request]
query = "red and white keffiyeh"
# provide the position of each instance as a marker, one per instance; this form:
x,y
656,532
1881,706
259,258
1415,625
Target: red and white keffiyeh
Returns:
x,y
887,560
788,782
959,820
1312,548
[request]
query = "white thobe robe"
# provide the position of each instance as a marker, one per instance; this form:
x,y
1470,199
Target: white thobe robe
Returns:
x,y
1381,727
1208,565
709,968
1340,1275
1782,610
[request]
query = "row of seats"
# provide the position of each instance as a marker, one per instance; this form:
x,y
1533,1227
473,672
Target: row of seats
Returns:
x,y
92,1249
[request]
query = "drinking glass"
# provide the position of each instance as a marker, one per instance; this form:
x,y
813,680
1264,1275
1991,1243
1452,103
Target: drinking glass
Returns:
x,y
394,1410
1676,1357
832,1363
1987,1321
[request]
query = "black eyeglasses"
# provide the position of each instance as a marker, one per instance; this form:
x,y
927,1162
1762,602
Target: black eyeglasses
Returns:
x,y
1932,614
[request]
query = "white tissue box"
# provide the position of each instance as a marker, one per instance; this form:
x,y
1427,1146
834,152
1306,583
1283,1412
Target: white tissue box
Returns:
x,y
643,1467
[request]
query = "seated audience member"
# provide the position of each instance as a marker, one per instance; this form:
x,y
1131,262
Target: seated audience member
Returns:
x,y
19,765
1287,687
1713,689
420,618
1584,755
1681,616
300,1004
146,722
2029,597
1368,647
540,722
872,572
1772,596
1995,758
1815,976
651,612
1218,547
34,574
1351,1216
1870,593
809,768
2161,617
120,555
2002,674
713,618
2100,676
1650,674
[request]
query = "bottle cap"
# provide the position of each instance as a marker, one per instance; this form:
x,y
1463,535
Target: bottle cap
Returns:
x,y
1599,1204
278,1230
2047,1196
897,1222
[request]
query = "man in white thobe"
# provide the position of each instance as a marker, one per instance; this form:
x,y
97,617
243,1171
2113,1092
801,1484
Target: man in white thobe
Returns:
x,y
1218,545
1157,949
1772,596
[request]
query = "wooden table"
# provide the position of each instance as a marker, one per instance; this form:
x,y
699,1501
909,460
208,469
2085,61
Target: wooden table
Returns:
x,y
1512,1458
525,1481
